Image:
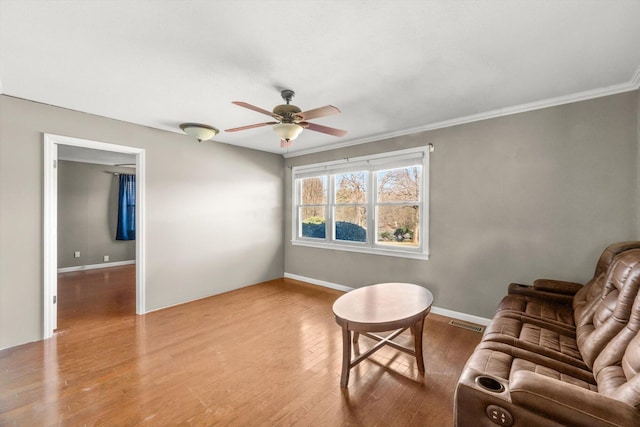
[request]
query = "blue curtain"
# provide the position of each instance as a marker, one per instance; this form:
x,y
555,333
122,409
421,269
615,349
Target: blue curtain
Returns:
x,y
127,208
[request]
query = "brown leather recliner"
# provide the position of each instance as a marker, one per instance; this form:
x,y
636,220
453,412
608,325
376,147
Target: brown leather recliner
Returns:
x,y
556,300
528,372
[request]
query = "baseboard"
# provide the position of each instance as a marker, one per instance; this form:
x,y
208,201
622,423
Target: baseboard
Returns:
x,y
436,310
318,282
94,266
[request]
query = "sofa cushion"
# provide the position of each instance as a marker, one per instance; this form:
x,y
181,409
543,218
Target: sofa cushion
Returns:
x,y
526,365
536,336
538,308
567,403
507,353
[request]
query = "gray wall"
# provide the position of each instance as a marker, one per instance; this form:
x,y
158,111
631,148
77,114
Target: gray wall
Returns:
x,y
536,194
88,215
213,212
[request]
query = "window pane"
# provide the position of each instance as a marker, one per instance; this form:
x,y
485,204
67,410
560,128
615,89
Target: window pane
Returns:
x,y
313,191
398,225
351,187
313,222
351,223
399,185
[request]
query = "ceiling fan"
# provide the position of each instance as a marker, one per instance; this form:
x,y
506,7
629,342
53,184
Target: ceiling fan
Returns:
x,y
291,120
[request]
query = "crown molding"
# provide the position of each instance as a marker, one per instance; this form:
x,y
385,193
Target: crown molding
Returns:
x,y
632,84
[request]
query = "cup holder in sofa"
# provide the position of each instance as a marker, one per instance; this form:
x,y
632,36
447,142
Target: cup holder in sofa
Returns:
x,y
489,384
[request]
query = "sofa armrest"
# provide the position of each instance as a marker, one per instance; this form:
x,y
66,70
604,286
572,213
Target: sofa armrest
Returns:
x,y
556,286
530,291
568,403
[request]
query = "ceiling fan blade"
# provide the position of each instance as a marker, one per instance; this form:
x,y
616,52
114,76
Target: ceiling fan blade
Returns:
x,y
258,109
257,125
324,129
327,110
285,144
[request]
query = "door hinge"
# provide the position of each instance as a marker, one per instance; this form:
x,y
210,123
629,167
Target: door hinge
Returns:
x,y
55,299
55,164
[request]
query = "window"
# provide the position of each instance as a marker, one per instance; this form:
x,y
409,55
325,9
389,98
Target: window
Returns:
x,y
374,204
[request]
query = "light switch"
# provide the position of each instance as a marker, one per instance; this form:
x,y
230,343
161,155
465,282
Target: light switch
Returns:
x,y
76,254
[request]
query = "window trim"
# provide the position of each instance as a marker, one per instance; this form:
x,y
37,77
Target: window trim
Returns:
x,y
372,164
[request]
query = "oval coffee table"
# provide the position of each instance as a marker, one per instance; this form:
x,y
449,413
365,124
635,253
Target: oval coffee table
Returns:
x,y
377,308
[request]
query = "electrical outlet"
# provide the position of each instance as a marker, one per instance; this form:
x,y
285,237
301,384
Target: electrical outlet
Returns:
x,y
106,258
76,254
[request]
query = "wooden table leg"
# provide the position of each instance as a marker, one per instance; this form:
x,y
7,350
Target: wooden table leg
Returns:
x,y
346,356
356,335
417,329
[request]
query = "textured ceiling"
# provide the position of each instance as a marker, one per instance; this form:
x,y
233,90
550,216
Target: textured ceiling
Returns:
x,y
391,67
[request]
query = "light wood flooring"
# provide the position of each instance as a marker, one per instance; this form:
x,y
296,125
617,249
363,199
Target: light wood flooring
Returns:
x,y
268,354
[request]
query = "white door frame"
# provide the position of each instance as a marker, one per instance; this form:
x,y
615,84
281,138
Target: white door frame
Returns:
x,y
50,291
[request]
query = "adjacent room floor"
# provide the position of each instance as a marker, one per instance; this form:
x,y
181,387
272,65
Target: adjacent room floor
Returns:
x,y
95,296
268,354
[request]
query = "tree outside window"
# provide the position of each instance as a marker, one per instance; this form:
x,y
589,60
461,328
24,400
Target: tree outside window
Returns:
x,y
350,206
313,195
398,206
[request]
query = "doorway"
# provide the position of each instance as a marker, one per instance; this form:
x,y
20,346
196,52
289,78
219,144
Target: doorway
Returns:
x,y
51,145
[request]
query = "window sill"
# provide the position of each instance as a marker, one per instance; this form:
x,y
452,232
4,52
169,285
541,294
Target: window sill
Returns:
x,y
360,249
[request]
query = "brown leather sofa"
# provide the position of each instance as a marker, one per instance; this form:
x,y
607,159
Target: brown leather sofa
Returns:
x,y
559,353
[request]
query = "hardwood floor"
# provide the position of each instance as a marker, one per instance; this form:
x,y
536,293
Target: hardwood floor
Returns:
x,y
268,354
95,296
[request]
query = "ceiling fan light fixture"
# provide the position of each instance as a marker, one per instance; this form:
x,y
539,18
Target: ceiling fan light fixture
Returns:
x,y
287,131
199,131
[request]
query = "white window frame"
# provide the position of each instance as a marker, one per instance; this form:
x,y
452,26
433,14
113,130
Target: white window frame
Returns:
x,y
372,164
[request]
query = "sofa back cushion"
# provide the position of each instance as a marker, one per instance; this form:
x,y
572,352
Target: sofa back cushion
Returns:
x,y
621,380
612,310
611,252
585,305
631,358
584,300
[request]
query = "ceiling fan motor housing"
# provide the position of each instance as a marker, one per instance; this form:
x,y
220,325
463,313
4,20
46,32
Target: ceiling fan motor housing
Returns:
x,y
287,112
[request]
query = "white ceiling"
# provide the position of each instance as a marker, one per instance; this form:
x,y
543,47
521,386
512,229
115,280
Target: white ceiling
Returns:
x,y
391,67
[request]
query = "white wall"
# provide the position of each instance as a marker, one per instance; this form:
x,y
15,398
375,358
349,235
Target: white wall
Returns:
x,y
536,194
213,215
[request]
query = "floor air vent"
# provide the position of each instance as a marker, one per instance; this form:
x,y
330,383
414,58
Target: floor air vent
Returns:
x,y
465,325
